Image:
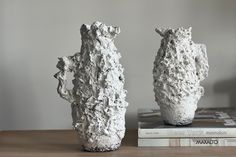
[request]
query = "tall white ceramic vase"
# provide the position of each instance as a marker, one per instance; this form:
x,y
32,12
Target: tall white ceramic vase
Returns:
x,y
98,97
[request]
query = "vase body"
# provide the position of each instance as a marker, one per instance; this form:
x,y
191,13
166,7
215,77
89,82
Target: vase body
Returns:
x,y
98,95
179,67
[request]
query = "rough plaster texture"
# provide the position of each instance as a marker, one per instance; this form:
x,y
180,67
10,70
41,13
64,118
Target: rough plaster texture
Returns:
x,y
179,67
98,97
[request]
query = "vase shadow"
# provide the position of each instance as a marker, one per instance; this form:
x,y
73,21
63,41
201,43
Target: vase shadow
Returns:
x,y
131,138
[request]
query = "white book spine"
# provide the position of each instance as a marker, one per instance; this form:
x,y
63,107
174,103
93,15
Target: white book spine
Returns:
x,y
189,142
186,132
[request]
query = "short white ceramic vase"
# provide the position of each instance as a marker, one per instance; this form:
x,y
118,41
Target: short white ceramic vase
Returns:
x,y
179,67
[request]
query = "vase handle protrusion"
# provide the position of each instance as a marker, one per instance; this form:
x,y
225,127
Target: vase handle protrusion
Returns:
x,y
65,64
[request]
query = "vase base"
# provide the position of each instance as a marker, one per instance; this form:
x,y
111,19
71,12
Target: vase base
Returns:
x,y
185,123
101,149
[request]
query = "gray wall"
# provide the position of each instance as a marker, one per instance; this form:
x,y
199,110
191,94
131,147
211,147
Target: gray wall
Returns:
x,y
34,33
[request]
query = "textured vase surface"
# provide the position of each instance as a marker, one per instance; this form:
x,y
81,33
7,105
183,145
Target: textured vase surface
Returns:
x,y
179,67
98,95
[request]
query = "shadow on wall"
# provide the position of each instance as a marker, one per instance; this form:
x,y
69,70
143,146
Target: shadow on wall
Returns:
x,y
227,87
18,97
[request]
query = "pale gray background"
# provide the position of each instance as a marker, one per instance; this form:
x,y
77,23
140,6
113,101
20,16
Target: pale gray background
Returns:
x,y
34,33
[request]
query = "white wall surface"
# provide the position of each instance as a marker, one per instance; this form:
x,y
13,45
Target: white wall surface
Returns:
x,y
33,33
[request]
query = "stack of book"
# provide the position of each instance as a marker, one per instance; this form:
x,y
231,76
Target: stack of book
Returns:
x,y
210,127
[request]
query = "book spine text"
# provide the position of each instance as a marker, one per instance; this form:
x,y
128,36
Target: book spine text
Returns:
x,y
181,142
187,132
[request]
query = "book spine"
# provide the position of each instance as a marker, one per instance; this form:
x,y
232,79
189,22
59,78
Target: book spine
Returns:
x,y
186,132
186,142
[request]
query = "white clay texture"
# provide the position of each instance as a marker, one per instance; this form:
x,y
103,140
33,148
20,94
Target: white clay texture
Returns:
x,y
179,67
98,96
